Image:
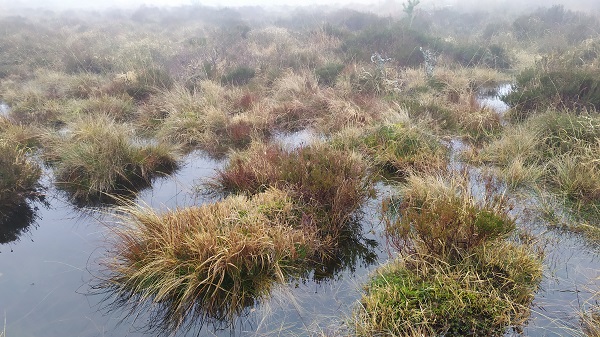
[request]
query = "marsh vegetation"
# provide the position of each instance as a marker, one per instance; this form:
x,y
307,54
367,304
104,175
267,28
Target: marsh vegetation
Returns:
x,y
436,203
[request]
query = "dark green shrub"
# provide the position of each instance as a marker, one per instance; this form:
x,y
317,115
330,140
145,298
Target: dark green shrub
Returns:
x,y
397,41
327,74
238,76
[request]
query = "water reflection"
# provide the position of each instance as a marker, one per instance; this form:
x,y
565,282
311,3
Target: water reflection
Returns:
x,y
124,192
492,97
15,221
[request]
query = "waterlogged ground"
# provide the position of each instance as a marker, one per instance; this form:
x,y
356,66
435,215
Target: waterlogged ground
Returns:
x,y
46,275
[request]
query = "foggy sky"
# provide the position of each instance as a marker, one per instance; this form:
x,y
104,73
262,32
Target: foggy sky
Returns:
x,y
592,5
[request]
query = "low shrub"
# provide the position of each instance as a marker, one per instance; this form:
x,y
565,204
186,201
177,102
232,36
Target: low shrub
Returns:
x,y
327,74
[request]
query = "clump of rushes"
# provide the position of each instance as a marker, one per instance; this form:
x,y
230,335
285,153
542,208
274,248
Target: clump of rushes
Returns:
x,y
19,175
208,262
456,274
331,183
97,157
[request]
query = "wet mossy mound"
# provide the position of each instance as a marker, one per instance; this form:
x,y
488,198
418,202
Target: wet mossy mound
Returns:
x,y
483,295
456,274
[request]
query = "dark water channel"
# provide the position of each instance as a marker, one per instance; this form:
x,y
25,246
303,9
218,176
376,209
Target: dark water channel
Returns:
x,y
47,272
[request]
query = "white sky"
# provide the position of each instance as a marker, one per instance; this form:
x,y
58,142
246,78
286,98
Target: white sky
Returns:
x,y
61,4
483,4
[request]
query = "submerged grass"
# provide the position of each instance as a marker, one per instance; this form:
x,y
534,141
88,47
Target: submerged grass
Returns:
x,y
97,156
208,262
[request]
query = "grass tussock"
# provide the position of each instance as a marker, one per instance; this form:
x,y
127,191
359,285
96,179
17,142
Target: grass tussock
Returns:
x,y
557,149
19,174
331,183
396,149
399,149
208,262
441,216
97,156
456,274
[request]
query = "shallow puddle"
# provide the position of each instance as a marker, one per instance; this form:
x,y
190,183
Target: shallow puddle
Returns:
x,y
4,109
492,98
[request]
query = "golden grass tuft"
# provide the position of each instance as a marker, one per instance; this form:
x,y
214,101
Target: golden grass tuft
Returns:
x,y
208,262
19,174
